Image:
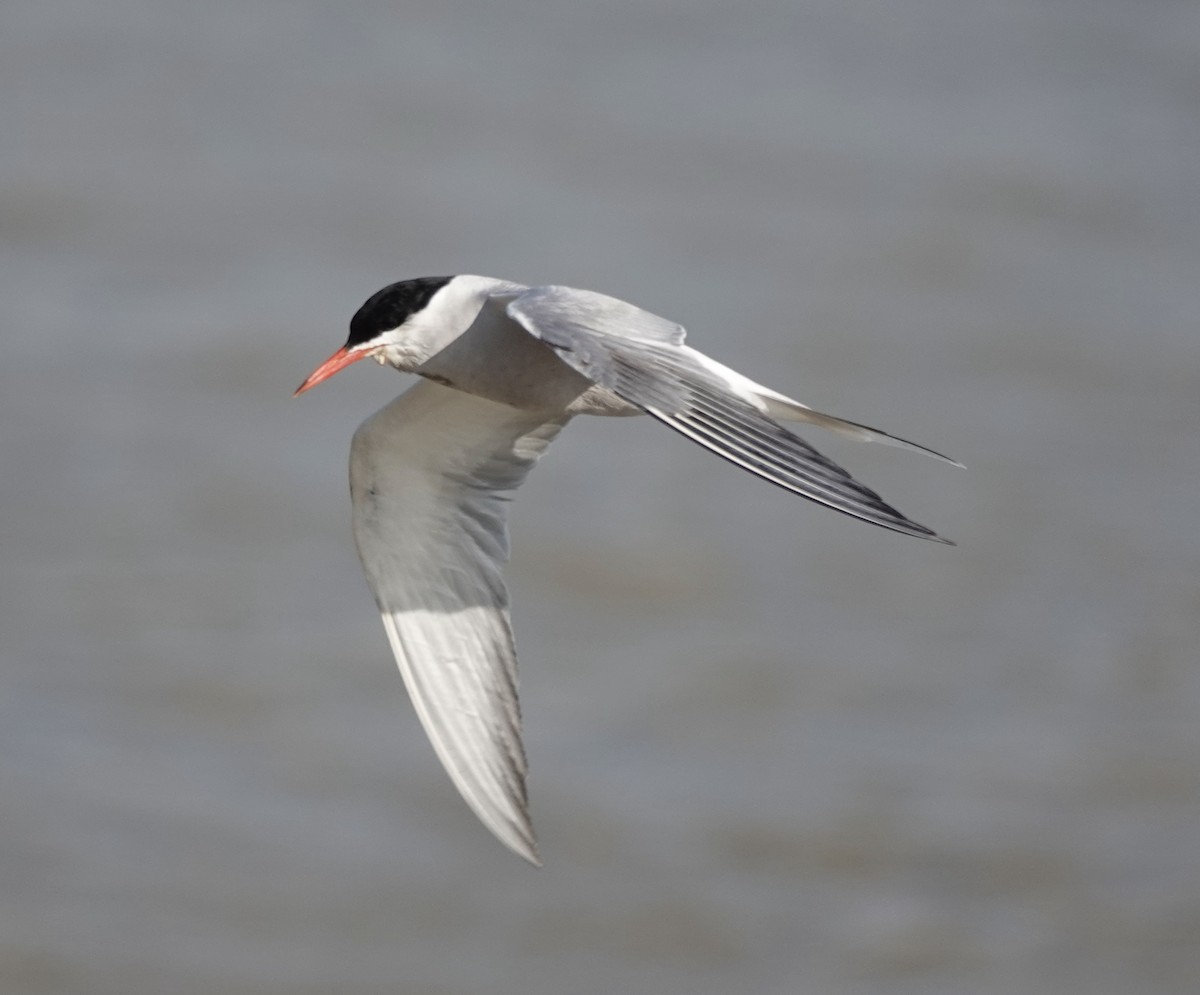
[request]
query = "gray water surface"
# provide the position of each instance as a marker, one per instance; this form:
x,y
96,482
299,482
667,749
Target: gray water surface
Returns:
x,y
773,750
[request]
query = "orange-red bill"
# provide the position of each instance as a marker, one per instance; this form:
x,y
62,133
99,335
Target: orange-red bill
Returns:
x,y
338,361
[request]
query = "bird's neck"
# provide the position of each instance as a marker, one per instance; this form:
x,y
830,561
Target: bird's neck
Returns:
x,y
450,314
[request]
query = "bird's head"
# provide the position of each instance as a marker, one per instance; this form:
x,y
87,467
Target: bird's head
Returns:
x,y
384,329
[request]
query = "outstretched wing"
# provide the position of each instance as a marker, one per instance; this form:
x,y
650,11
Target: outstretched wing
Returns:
x,y
642,359
430,476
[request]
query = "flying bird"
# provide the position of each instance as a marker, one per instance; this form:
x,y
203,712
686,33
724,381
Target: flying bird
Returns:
x,y
505,367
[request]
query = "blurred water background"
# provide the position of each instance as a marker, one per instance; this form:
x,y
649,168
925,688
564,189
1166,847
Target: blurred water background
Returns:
x,y
773,749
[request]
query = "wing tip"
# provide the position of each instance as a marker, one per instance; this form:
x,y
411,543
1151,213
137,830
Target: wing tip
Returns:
x,y
517,836
906,526
530,855
898,522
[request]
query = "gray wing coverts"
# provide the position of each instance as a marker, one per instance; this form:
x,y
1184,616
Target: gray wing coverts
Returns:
x,y
641,358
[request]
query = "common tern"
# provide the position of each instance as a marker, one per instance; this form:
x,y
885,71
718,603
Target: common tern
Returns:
x,y
505,367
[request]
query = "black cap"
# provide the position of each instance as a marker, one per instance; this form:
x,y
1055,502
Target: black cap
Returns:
x,y
392,306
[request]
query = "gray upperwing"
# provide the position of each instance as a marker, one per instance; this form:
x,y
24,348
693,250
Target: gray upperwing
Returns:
x,y
606,340
557,314
642,359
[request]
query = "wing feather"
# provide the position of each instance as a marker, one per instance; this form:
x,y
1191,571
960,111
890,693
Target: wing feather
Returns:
x,y
697,397
430,476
